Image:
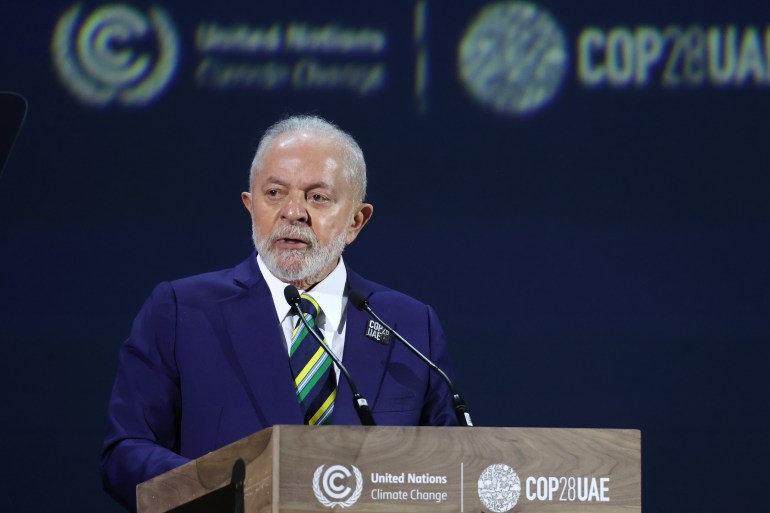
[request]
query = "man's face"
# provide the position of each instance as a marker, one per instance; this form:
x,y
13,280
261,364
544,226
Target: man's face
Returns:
x,y
303,210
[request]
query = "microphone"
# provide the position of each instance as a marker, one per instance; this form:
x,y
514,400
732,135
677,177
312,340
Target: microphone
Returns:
x,y
461,410
13,110
359,403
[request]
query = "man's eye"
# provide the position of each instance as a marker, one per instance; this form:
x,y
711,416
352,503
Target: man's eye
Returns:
x,y
272,193
318,197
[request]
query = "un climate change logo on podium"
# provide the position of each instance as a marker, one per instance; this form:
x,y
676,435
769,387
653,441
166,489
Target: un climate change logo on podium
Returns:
x,y
330,485
499,488
116,54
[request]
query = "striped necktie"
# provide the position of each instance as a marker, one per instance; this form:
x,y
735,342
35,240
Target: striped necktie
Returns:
x,y
314,378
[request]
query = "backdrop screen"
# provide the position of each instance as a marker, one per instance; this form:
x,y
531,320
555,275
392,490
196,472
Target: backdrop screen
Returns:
x,y
580,189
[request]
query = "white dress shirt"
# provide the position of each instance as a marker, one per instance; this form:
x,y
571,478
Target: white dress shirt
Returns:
x,y
330,296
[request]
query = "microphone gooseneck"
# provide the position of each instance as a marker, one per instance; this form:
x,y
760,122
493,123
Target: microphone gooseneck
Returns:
x,y
359,403
461,410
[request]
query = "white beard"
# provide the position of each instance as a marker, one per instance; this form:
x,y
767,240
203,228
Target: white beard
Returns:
x,y
292,265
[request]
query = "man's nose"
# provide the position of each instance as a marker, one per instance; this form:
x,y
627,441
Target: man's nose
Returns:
x,y
294,210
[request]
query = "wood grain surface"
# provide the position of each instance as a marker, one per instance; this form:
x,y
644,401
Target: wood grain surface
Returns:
x,y
416,469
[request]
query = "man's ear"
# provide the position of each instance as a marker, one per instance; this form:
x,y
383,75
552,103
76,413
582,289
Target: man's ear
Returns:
x,y
246,198
360,217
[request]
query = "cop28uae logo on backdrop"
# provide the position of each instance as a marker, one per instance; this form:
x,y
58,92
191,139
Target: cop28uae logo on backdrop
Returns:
x,y
115,54
513,57
331,486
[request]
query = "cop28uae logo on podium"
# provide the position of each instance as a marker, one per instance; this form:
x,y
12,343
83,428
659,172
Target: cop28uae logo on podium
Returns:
x,y
115,54
330,486
499,488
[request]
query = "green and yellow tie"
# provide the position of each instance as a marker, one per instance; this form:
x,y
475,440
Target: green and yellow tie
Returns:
x,y
314,377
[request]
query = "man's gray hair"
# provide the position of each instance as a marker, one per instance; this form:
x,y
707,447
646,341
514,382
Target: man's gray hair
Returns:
x,y
354,166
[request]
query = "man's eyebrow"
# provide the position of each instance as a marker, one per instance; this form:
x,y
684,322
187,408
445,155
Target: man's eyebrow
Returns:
x,y
275,181
319,185
272,180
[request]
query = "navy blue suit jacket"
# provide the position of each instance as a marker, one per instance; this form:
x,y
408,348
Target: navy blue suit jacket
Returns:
x,y
205,365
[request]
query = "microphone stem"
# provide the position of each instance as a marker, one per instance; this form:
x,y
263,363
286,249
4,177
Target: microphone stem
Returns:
x,y
359,403
461,410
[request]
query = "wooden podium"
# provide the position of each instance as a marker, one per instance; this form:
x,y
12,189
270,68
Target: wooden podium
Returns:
x,y
395,469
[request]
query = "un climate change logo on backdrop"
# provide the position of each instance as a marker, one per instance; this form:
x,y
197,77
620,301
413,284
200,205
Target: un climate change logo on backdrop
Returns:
x,y
513,57
115,54
330,487
499,488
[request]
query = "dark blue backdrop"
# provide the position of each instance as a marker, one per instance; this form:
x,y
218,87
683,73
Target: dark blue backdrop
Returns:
x,y
621,230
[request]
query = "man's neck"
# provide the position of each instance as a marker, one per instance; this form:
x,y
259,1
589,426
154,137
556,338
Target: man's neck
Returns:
x,y
308,283
330,292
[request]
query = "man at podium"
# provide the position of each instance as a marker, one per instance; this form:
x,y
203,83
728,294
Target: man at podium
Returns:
x,y
215,357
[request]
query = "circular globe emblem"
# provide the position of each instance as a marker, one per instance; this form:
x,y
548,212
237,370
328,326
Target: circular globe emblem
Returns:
x,y
499,488
330,489
513,57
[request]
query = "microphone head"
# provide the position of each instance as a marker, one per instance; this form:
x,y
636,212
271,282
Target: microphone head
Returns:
x,y
292,295
358,300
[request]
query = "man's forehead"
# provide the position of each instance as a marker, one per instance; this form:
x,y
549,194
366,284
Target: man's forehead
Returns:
x,y
285,169
302,151
303,181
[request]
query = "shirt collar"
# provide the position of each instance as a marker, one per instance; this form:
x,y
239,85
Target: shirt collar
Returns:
x,y
329,293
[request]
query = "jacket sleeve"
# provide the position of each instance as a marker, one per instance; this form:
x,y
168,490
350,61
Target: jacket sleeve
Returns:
x,y
438,407
142,439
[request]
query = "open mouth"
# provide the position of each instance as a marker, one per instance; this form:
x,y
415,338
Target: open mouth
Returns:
x,y
288,243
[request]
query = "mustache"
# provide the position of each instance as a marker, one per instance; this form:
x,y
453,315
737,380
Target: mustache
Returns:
x,y
295,231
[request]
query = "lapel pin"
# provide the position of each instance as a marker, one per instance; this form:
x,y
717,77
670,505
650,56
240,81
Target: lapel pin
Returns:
x,y
377,332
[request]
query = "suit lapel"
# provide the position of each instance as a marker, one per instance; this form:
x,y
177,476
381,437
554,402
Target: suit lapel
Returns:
x,y
259,356
365,359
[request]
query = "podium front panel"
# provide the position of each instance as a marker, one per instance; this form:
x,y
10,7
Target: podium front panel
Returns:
x,y
293,469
